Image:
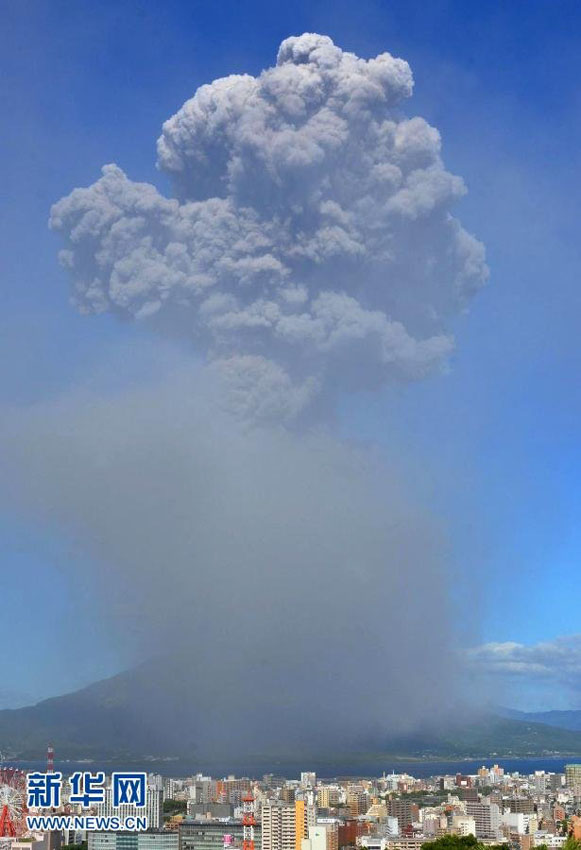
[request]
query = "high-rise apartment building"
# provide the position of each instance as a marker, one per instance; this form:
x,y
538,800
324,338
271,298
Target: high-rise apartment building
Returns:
x,y
173,789
284,825
357,800
404,810
328,796
486,818
573,777
203,789
278,826
520,805
540,781
231,790
287,794
468,794
305,818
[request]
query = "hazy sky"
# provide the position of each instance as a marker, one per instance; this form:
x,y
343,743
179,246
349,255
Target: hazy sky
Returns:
x,y
492,446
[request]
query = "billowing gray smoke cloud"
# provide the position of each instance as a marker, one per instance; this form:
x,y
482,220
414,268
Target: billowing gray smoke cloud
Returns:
x,y
310,247
309,250
299,582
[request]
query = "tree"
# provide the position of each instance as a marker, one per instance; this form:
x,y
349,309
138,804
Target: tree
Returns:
x,y
453,842
174,807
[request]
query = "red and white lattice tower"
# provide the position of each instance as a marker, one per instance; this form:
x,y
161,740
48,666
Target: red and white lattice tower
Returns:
x,y
248,822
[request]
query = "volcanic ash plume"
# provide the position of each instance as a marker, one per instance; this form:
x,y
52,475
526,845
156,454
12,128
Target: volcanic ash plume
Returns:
x,y
298,586
309,250
309,247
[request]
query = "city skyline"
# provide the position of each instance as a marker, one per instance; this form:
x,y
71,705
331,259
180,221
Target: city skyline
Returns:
x,y
487,806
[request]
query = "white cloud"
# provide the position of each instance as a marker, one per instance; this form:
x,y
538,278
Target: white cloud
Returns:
x,y
558,660
311,238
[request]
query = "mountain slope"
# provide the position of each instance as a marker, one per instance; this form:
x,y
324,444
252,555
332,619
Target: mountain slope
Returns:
x,y
565,719
158,710
125,714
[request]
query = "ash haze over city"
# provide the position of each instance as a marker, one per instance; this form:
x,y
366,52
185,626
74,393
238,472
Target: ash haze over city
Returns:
x,y
290,379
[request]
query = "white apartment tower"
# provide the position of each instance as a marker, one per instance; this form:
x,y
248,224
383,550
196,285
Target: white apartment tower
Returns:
x,y
278,826
284,825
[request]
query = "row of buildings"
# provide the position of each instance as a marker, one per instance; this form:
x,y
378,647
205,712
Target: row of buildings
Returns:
x,y
392,812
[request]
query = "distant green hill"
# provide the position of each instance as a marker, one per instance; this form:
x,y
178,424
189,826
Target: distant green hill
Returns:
x,y
492,735
565,719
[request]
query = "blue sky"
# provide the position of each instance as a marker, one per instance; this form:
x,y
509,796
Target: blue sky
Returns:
x,y
85,84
